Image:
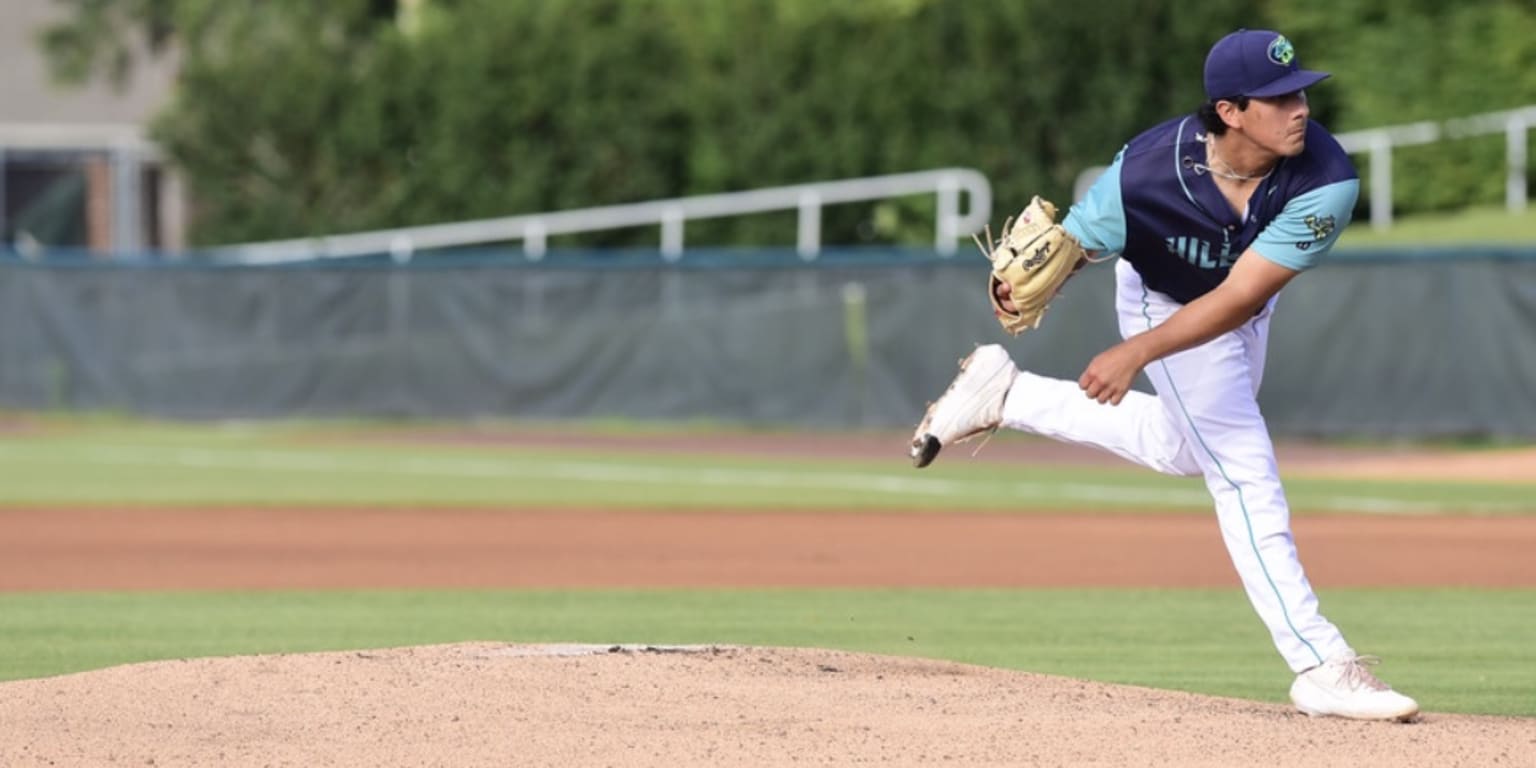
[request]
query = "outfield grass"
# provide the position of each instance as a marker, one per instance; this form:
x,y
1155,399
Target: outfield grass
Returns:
x,y
1455,650
203,464
1479,225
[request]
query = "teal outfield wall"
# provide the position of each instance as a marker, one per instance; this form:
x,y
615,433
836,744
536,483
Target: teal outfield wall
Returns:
x,y
1387,344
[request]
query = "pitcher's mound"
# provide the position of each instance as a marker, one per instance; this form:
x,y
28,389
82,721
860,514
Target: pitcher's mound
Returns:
x,y
585,705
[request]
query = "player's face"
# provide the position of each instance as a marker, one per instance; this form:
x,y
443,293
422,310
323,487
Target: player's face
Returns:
x,y
1278,123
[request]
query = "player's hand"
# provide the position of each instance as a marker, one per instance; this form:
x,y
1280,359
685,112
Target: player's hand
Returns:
x,y
1004,294
1109,375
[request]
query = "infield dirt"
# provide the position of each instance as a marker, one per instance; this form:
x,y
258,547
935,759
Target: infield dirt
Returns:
x,y
483,704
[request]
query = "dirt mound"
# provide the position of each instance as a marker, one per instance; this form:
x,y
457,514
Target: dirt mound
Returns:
x,y
497,704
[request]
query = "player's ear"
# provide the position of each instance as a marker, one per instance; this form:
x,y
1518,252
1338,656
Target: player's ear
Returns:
x,y
1229,112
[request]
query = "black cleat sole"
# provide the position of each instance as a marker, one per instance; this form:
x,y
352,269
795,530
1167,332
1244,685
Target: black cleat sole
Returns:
x,y
925,450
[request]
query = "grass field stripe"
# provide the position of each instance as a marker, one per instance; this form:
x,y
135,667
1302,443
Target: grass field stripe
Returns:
x,y
587,471
300,461
640,474
1399,507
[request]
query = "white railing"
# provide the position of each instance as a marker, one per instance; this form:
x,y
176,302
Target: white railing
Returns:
x,y
1513,123
534,229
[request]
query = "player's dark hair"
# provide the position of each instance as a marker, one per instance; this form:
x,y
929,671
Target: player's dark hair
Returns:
x,y
1211,121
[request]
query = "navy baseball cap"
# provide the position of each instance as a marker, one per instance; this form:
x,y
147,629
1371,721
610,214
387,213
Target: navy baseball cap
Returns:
x,y
1255,62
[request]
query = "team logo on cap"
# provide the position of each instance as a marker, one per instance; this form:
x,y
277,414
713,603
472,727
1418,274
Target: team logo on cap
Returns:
x,y
1281,52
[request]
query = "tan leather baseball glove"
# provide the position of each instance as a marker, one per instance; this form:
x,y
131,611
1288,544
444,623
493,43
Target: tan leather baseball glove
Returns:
x,y
1034,257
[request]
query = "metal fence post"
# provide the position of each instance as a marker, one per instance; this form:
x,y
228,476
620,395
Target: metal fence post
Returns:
x,y
1381,182
672,233
947,216
535,240
1514,142
401,249
808,238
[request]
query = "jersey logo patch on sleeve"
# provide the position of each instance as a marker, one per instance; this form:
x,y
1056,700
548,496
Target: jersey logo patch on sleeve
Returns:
x,y
1321,226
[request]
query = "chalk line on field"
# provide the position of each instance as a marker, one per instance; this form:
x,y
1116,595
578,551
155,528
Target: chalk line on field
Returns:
x,y
639,474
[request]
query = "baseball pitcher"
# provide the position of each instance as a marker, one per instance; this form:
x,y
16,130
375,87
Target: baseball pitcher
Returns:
x,y
1211,214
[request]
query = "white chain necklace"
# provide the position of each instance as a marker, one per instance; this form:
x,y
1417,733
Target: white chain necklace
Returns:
x,y
1230,173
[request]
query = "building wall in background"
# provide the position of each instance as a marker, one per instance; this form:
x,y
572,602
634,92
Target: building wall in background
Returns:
x,y
28,96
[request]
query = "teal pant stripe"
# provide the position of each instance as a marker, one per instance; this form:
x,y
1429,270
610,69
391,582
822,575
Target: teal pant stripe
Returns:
x,y
1253,542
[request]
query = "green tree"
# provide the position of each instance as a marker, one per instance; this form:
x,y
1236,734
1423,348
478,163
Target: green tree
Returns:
x,y
527,106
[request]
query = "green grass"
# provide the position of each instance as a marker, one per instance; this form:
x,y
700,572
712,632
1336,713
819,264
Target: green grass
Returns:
x,y
245,464
1481,225
1455,650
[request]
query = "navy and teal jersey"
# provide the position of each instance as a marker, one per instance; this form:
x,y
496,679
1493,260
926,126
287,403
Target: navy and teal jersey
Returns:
x,y
1158,207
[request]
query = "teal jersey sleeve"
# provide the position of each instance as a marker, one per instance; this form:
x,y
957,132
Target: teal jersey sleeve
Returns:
x,y
1098,220
1308,226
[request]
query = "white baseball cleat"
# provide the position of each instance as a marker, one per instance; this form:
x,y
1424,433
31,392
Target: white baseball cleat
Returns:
x,y
1343,686
973,404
